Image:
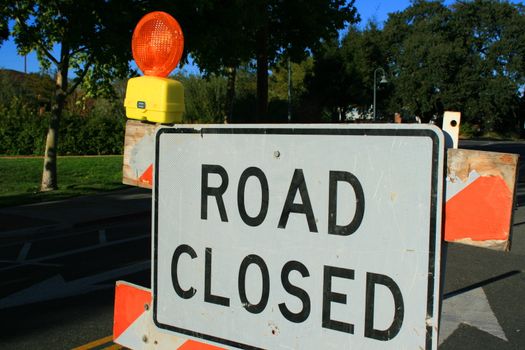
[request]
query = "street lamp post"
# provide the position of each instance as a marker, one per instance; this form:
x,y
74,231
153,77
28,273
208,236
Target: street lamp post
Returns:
x,y
383,81
289,91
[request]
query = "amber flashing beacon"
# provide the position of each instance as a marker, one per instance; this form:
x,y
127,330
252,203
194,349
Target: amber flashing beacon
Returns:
x,y
157,46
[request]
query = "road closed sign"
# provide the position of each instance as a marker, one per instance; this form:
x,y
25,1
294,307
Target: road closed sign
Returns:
x,y
298,236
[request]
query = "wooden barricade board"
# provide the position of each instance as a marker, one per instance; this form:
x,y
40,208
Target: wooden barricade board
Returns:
x,y
139,148
479,186
480,191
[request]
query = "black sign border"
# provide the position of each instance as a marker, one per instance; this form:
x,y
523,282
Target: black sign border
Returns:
x,y
416,132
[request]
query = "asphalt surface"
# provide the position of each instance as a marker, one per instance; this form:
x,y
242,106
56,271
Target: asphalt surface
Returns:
x,y
59,262
57,273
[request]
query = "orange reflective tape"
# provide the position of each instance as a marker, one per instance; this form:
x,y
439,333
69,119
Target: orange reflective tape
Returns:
x,y
194,345
482,211
147,176
129,305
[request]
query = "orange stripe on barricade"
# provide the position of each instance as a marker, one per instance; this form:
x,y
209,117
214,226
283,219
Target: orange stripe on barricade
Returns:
x,y
194,345
130,328
481,211
129,305
147,176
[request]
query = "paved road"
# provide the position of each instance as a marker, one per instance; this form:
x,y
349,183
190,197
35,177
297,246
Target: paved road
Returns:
x,y
482,308
492,284
56,289
64,263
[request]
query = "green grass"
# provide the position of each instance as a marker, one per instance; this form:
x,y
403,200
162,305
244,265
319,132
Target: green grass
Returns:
x,y
77,176
469,131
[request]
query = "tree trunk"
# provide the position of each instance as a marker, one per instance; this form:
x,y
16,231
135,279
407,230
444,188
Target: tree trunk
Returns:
x,y
49,173
230,94
262,73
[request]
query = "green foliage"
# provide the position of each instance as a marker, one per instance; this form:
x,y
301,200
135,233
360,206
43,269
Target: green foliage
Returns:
x,y
468,130
331,81
493,38
278,81
22,132
34,89
90,127
421,51
94,42
205,98
342,75
245,96
92,135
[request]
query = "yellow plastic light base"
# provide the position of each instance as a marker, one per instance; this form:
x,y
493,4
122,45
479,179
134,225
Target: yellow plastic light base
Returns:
x,y
155,99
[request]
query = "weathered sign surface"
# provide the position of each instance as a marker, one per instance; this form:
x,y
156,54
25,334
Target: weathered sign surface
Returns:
x,y
139,150
298,237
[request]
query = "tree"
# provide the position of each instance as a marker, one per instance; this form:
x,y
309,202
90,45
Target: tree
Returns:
x,y
468,56
292,28
93,41
330,81
215,37
364,51
278,88
342,77
226,34
491,33
422,55
204,98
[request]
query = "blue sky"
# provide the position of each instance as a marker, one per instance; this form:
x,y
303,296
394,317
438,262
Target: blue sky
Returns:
x,y
377,10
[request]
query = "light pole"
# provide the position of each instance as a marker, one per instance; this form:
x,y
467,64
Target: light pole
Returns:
x,y
383,81
289,91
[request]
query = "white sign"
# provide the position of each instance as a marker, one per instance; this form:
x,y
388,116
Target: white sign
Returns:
x,y
299,236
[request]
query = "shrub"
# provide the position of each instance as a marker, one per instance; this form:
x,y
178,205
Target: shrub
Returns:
x,y
23,132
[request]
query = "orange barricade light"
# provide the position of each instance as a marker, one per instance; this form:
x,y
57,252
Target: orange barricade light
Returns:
x,y
157,46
